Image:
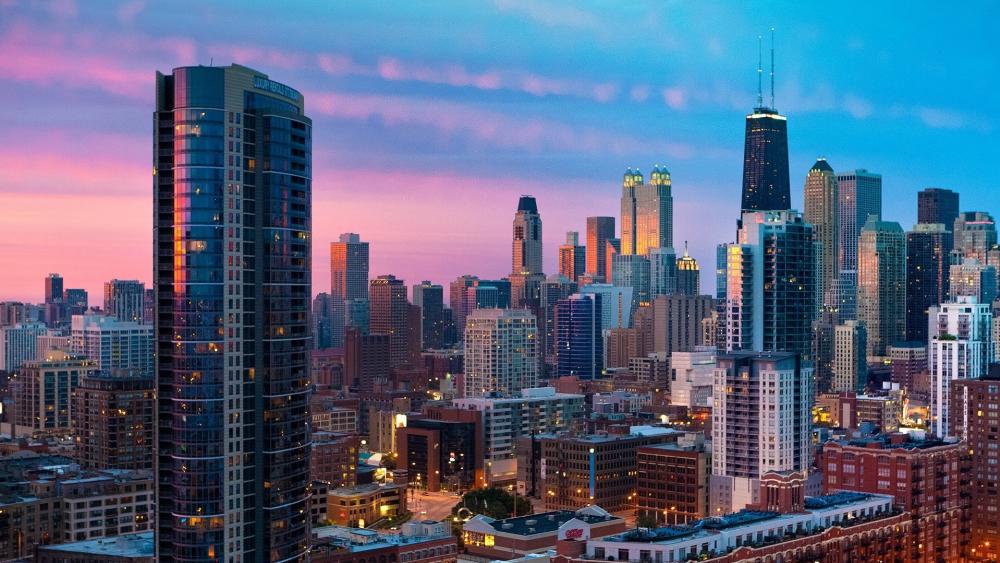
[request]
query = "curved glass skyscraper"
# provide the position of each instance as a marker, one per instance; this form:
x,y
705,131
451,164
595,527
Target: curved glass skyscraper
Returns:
x,y
232,193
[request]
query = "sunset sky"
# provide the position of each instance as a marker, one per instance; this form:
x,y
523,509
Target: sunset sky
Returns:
x,y
431,118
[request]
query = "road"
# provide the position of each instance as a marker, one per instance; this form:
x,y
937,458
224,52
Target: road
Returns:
x,y
431,506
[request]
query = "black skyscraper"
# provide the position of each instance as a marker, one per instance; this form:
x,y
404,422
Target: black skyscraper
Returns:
x,y
765,153
936,205
927,248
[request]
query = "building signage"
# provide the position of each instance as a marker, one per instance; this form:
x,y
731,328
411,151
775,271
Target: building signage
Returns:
x,y
276,88
574,534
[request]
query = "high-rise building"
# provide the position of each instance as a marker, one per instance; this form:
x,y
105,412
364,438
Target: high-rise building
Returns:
x,y
908,363
430,298
677,321
975,235
765,160
616,304
366,360
53,288
488,294
928,247
501,352
114,420
960,347
612,248
357,314
579,345
459,302
820,209
662,271
232,224
975,407
348,280
125,300
850,365
322,321
823,350
882,284
692,375
19,344
43,393
554,289
527,246
688,274
647,212
761,422
632,270
76,302
973,279
599,231
113,344
937,205
860,195
388,315
767,285
572,257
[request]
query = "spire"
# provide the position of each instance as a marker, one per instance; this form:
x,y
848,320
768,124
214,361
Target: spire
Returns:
x,y
772,70
760,71
686,249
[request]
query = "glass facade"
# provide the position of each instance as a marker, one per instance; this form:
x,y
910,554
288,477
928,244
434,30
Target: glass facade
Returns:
x,y
232,184
765,162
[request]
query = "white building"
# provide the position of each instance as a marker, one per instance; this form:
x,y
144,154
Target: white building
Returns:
x,y
960,346
537,411
850,363
692,375
112,343
501,352
19,344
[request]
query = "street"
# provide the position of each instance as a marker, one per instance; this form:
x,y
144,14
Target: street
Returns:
x,y
433,506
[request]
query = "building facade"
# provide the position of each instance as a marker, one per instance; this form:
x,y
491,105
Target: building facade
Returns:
x,y
928,250
125,300
821,198
501,352
114,421
882,284
599,231
113,344
937,205
647,212
572,257
43,393
850,362
348,280
579,345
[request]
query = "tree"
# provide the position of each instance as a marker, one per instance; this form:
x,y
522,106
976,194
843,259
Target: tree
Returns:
x,y
493,502
645,521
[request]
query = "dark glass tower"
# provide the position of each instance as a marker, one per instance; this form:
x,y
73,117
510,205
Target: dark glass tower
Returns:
x,y
579,345
928,247
765,162
231,202
937,205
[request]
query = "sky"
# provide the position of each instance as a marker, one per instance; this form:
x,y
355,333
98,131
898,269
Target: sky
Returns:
x,y
432,118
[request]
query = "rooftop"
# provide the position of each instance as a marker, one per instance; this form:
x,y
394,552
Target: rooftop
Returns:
x,y
126,545
545,522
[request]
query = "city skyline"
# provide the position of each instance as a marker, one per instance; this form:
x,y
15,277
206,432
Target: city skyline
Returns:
x,y
397,119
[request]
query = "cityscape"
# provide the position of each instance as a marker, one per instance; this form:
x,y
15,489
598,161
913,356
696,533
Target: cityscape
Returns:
x,y
276,346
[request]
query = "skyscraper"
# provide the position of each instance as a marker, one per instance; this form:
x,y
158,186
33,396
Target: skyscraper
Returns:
x,y
850,365
458,300
572,257
860,195
527,246
647,212
500,352
579,345
430,298
322,321
882,284
555,288
821,198
388,315
616,304
663,271
348,280
936,205
76,302
765,154
688,274
125,300
232,223
599,231
115,418
972,279
53,288
928,247
632,270
960,347
761,422
113,344
975,235
767,286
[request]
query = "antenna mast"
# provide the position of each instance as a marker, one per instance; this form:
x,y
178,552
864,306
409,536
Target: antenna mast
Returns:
x,y
772,70
760,71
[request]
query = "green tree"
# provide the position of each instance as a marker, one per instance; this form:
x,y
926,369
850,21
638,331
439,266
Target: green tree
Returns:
x,y
493,502
645,521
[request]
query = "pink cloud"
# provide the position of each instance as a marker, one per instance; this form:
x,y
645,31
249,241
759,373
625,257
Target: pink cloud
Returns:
x,y
675,98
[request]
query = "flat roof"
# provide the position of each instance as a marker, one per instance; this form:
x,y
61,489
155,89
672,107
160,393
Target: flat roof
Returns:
x,y
139,544
546,522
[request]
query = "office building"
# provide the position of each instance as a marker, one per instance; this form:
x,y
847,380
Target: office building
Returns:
x,y
632,270
677,321
125,300
579,345
76,302
612,248
765,160
366,360
114,420
505,419
928,247
527,244
501,352
761,422
113,344
860,195
820,209
823,350
975,234
232,269
53,288
647,212
766,285
662,271
443,449
322,321
348,280
554,288
458,302
688,274
50,342
572,257
960,347
430,298
908,364
334,459
19,344
424,541
972,279
850,364
616,304
43,393
974,409
882,284
599,231
924,477
937,205
357,314
672,481
389,311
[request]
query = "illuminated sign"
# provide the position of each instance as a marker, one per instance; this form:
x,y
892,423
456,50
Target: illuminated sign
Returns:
x,y
574,534
276,88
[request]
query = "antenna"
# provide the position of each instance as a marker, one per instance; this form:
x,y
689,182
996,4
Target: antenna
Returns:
x,y
772,70
760,71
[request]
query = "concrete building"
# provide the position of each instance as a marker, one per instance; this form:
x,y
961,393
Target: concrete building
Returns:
x,y
536,533
366,360
972,279
500,351
389,314
850,362
820,208
334,459
125,301
536,411
975,234
363,505
19,344
908,364
443,449
761,422
348,280
677,321
43,393
599,231
114,420
572,257
113,344
882,284
616,304
692,376
960,347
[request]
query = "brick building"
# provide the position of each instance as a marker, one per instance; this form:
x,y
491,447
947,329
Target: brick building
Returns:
x,y
114,421
417,542
535,533
672,481
334,459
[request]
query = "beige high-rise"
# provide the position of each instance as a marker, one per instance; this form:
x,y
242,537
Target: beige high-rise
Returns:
x,y
882,284
820,199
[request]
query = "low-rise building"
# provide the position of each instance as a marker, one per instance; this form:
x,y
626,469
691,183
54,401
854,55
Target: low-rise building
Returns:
x,y
131,548
417,542
536,533
363,505
334,459
339,420
672,480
